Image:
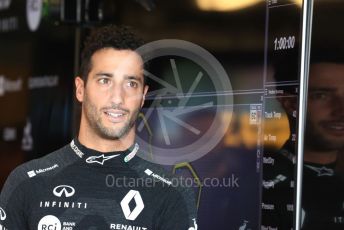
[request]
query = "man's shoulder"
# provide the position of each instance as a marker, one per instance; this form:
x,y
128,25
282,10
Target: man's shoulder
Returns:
x,y
36,167
177,192
152,170
43,164
21,178
174,185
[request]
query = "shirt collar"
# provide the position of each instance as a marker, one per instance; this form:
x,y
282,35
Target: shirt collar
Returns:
x,y
92,156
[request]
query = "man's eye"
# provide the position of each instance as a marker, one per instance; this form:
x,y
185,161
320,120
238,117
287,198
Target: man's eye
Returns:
x,y
132,84
103,81
319,96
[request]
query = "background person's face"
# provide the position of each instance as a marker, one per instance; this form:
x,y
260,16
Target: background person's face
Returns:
x,y
325,114
114,93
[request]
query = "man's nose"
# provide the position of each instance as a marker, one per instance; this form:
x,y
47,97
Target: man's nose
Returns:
x,y
338,106
117,94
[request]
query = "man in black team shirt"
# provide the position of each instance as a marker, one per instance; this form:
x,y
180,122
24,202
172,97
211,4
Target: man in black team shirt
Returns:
x,y
69,188
323,181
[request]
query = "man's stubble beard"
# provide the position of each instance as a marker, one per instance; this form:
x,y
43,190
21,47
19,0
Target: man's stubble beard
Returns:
x,y
317,141
94,119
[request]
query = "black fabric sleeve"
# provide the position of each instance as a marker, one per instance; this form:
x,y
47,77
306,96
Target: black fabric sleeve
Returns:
x,y
178,211
12,202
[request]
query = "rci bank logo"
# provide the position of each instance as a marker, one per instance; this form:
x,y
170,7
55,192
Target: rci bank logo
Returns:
x,y
2,214
49,222
33,13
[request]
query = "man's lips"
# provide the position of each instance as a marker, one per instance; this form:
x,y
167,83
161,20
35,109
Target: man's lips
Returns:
x,y
115,115
334,126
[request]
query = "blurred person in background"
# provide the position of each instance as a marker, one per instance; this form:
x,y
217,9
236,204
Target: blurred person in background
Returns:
x,y
323,177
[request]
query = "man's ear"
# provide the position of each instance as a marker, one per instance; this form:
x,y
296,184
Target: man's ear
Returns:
x,y
145,90
289,103
79,88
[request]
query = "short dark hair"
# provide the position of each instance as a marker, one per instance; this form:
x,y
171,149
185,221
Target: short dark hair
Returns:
x,y
329,55
110,36
288,66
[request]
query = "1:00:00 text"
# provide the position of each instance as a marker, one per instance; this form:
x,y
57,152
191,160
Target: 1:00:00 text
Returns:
x,y
284,43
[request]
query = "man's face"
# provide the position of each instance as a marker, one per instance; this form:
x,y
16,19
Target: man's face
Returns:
x,y
325,115
114,93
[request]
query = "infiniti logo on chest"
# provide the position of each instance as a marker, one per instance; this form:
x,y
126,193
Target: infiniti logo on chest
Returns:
x,y
65,190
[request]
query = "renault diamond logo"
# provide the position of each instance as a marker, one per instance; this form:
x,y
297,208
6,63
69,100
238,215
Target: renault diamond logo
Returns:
x,y
2,214
132,214
100,159
67,190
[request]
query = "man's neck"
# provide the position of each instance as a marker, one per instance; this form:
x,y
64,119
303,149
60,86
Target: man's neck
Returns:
x,y
320,157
